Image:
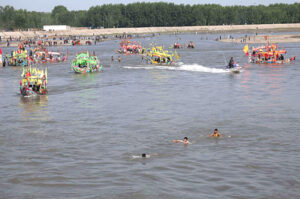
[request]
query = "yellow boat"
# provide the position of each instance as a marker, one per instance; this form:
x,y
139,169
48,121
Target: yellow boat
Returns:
x,y
158,56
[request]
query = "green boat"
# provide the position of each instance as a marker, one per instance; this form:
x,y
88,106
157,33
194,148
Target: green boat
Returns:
x,y
84,63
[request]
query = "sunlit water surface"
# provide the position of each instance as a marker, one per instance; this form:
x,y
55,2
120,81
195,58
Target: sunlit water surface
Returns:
x,y
78,141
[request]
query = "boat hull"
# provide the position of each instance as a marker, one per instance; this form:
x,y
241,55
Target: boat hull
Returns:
x,y
160,64
14,63
78,69
26,91
235,70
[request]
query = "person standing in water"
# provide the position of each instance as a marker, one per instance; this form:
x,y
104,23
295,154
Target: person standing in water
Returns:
x,y
112,58
215,134
119,59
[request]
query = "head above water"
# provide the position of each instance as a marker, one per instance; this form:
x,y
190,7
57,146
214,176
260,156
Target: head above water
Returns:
x,y
143,155
185,139
216,131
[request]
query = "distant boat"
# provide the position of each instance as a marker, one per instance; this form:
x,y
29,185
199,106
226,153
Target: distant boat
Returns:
x,y
34,82
269,54
158,56
130,48
84,63
45,56
18,58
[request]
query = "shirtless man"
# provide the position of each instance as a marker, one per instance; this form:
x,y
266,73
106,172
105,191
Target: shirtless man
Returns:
x,y
184,141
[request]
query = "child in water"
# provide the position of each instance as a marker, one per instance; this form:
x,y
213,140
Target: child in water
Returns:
x,y
215,134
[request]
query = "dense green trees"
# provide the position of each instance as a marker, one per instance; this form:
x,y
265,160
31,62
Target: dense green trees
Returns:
x,y
150,14
21,19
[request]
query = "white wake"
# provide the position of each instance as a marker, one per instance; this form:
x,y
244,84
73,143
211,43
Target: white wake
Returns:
x,y
181,67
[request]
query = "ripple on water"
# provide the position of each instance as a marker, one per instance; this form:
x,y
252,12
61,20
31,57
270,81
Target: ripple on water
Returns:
x,y
77,142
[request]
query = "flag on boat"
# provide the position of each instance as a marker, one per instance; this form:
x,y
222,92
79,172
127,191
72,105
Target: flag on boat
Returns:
x,y
176,55
0,57
246,48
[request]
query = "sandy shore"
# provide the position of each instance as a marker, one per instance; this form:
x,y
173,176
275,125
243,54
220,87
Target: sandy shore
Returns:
x,y
112,31
23,35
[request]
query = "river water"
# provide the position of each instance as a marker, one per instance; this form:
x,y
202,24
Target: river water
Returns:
x,y
78,141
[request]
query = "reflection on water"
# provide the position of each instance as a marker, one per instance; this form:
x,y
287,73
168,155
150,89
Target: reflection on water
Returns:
x,y
87,98
273,78
34,107
159,76
16,68
87,77
87,85
81,134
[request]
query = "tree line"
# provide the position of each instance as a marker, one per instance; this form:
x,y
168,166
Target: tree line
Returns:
x,y
150,14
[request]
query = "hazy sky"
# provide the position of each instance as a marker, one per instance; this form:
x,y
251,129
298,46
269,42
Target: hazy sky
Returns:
x,y
47,5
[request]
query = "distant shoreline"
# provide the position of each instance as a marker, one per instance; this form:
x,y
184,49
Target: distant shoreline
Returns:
x,y
259,28
148,30
262,39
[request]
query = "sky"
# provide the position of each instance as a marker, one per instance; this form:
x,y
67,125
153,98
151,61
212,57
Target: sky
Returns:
x,y
48,5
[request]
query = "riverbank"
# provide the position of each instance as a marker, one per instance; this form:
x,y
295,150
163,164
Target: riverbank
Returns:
x,y
149,30
93,33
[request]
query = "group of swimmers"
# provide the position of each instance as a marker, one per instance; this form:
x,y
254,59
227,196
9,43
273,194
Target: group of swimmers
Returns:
x,y
119,58
185,141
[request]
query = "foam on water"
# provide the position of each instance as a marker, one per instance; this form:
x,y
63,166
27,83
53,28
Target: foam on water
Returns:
x,y
181,67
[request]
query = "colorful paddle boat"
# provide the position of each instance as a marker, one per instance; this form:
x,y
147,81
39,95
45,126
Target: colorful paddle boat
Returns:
x,y
158,56
17,58
269,54
84,63
34,82
42,55
130,48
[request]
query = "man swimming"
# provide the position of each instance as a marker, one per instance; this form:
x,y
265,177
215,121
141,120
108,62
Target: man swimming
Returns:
x,y
215,134
184,141
144,155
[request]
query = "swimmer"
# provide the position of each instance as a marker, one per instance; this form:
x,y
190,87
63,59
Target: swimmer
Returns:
x,y
112,58
215,134
119,59
144,155
184,141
